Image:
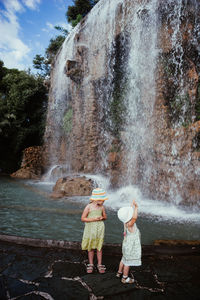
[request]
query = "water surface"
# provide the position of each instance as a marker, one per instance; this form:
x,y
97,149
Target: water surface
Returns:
x,y
27,210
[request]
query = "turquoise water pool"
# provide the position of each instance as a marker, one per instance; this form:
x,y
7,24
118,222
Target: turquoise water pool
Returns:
x,y
26,209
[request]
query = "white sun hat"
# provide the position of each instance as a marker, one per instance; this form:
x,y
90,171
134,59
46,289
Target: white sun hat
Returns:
x,y
125,213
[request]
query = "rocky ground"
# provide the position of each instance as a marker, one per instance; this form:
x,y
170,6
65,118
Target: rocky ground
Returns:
x,y
167,272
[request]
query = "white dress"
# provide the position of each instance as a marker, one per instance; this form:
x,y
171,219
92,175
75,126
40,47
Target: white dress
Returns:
x,y
131,248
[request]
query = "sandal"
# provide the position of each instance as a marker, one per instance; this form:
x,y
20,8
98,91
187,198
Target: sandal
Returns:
x,y
118,274
127,280
101,269
89,268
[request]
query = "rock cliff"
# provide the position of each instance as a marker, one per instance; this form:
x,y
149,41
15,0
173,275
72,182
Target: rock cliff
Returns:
x,y
125,97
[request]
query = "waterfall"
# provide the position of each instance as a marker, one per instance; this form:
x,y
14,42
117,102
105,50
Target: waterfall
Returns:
x,y
133,94
182,72
58,103
64,91
179,14
141,91
144,147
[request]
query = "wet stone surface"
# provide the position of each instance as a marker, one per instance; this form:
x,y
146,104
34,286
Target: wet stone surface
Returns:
x,y
49,273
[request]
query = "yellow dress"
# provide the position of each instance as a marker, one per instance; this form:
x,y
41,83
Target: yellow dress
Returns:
x,y
93,235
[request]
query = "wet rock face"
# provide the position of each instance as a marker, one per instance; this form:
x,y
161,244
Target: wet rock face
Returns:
x,y
32,165
88,87
96,76
176,161
73,70
72,186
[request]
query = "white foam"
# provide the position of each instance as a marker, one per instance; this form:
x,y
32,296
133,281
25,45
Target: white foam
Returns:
x,y
149,207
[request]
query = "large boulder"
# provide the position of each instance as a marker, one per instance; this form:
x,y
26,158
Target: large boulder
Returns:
x,y
72,186
32,163
24,174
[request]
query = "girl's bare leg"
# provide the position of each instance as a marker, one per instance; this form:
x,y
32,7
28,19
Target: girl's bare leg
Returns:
x,y
91,256
100,268
126,271
121,267
99,257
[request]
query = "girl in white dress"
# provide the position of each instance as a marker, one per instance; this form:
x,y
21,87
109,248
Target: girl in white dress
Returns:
x,y
131,246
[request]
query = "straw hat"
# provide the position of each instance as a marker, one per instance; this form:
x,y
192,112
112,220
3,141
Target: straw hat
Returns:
x,y
98,194
125,213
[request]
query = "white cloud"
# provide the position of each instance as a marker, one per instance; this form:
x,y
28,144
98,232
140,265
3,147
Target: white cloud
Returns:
x,y
32,4
65,25
13,6
51,27
13,51
61,4
38,45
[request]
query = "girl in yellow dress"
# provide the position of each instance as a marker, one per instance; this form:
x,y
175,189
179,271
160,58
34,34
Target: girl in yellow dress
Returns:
x,y
93,235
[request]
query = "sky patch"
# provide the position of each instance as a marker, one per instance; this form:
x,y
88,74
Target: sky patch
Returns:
x,y
26,26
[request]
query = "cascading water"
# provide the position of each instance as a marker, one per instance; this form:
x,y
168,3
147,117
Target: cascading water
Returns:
x,y
63,91
141,91
141,131
58,104
182,70
178,17
118,52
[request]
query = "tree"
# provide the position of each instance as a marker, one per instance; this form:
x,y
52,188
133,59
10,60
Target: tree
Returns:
x,y
2,70
78,19
62,30
54,46
23,103
79,10
43,63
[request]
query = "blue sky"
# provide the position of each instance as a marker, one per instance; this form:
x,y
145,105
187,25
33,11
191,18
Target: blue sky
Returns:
x,y
26,26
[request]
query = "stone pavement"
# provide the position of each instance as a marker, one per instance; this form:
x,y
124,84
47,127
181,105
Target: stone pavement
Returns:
x,y
58,272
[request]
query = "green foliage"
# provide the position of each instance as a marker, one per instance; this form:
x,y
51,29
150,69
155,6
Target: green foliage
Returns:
x,y
23,103
81,7
62,30
79,10
38,61
78,19
67,121
42,64
180,107
180,110
54,46
117,105
117,108
2,70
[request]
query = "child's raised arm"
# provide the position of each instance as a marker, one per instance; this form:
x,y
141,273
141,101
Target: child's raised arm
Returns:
x,y
135,214
134,203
